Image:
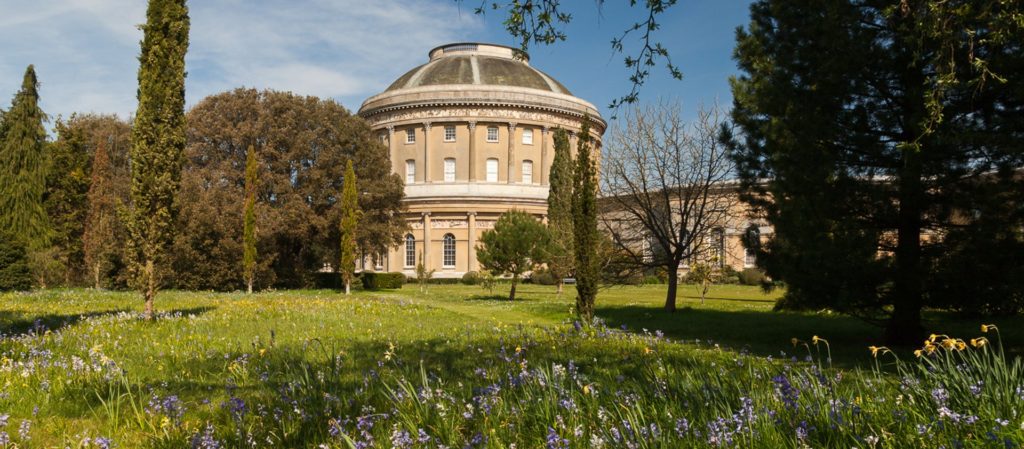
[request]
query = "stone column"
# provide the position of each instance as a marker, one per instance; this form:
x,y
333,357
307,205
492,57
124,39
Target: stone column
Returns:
x,y
426,240
543,156
426,152
472,242
391,145
511,152
472,151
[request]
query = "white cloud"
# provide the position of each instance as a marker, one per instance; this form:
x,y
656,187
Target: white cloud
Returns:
x,y
85,51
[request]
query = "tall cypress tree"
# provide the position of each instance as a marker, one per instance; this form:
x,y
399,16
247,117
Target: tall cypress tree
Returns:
x,y
584,205
560,224
249,219
350,214
23,167
158,140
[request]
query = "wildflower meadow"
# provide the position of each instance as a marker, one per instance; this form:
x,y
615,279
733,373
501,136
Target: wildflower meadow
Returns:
x,y
454,369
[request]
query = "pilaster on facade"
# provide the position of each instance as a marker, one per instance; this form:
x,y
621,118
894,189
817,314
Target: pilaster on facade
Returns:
x,y
472,151
425,255
426,152
511,152
544,156
471,218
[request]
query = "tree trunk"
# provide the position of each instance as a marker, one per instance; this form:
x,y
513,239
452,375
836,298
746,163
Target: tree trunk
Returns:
x,y
673,284
96,276
248,288
149,290
512,293
560,285
905,324
348,287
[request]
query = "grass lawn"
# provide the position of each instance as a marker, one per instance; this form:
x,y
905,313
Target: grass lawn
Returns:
x,y
460,367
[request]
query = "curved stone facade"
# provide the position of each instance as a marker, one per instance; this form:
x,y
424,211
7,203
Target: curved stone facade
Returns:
x,y
471,133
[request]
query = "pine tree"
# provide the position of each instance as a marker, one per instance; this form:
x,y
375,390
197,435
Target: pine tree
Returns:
x,y
350,214
560,224
585,235
517,243
249,219
98,240
23,168
66,198
158,140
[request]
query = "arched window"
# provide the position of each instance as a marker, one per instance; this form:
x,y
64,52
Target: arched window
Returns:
x,y
449,251
527,172
492,170
449,169
718,247
410,250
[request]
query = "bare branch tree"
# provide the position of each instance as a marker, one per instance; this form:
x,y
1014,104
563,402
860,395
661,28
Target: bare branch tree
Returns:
x,y
667,190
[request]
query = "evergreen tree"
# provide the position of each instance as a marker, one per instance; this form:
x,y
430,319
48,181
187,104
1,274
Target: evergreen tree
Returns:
x,y
585,236
249,219
14,271
23,168
865,153
350,214
517,243
158,140
99,239
66,197
560,259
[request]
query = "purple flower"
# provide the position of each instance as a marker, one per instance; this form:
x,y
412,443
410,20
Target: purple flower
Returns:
x,y
206,439
940,396
103,442
24,429
682,427
554,441
400,438
786,391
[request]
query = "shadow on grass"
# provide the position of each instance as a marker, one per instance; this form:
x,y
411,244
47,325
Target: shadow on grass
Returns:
x,y
770,333
15,324
491,298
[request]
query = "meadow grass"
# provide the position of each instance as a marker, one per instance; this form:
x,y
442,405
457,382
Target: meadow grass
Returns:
x,y
460,367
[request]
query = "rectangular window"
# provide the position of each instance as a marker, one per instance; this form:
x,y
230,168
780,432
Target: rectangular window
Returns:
x,y
492,170
449,133
410,171
449,170
492,133
410,251
410,135
749,258
527,172
527,137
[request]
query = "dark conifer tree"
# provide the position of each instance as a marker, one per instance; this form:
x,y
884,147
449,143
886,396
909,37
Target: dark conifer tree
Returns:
x,y
23,168
586,237
874,131
158,140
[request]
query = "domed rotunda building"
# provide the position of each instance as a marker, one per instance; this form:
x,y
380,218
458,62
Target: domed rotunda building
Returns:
x,y
471,133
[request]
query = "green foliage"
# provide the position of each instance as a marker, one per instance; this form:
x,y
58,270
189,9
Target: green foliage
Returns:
x,y
249,218
158,143
470,278
23,167
516,245
859,166
66,197
106,139
377,281
423,275
350,215
751,276
302,145
488,281
586,238
14,271
561,253
543,276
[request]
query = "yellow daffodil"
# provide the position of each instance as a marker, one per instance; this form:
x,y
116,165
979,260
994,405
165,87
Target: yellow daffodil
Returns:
x,y
985,327
979,342
874,350
918,353
647,350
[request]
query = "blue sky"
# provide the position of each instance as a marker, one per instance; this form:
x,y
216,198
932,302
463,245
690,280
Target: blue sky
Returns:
x,y
85,50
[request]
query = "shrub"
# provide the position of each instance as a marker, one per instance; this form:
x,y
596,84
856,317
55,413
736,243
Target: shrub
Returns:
x,y
377,281
471,278
327,280
543,276
751,276
14,272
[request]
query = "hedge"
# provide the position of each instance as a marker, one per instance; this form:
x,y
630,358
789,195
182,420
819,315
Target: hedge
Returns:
x,y
377,281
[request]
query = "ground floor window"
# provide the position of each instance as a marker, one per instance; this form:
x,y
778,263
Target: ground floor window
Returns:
x,y
410,250
449,251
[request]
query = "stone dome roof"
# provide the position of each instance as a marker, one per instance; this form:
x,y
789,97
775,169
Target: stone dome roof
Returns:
x,y
478,64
